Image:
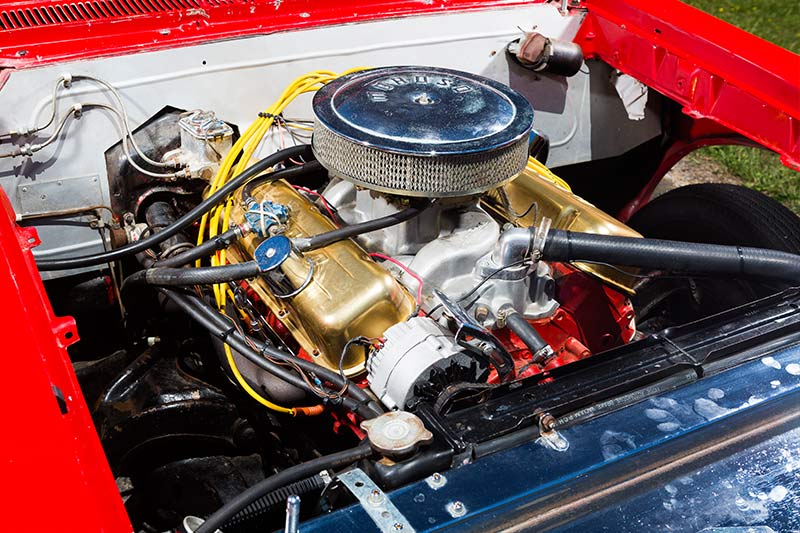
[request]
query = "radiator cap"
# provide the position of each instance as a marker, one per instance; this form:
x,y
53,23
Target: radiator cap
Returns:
x,y
396,434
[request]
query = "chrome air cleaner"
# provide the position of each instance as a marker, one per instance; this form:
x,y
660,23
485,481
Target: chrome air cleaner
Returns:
x,y
421,131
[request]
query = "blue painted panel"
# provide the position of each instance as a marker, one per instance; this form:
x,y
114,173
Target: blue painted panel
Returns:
x,y
506,480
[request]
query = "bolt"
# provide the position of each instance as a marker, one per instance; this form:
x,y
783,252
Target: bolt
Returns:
x,y
547,422
398,526
375,497
481,313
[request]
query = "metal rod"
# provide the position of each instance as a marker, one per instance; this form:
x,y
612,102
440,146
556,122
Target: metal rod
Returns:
x,y
292,514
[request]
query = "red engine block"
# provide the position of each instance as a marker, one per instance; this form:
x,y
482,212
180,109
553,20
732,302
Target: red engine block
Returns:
x,y
591,318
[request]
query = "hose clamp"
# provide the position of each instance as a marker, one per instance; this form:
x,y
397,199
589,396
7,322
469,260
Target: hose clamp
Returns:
x,y
539,238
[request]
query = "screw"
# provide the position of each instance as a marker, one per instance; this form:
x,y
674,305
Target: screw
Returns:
x,y
436,480
398,526
456,509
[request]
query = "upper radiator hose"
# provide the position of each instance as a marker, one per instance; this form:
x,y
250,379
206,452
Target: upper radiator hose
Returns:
x,y
691,257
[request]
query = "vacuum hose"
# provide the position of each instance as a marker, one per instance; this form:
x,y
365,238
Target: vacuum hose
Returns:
x,y
539,348
689,257
324,239
180,277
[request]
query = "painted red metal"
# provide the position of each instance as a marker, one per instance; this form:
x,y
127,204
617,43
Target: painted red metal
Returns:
x,y
728,82
53,465
126,27
717,72
592,318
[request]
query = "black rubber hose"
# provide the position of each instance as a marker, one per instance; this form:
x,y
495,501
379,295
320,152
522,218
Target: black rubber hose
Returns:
x,y
183,222
526,333
346,232
263,505
672,255
358,401
219,242
333,461
288,173
182,277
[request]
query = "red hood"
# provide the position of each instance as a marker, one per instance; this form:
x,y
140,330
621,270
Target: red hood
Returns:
x,y
34,32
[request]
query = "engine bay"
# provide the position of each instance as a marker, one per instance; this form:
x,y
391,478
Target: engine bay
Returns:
x,y
388,278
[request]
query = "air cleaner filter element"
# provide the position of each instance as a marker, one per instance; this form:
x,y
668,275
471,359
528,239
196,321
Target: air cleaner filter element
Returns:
x,y
421,131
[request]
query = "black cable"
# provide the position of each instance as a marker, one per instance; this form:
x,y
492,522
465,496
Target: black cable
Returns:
x,y
361,340
333,461
359,401
286,173
183,222
182,277
346,232
227,333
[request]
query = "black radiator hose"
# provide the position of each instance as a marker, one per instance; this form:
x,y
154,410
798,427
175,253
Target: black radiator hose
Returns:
x,y
657,254
285,174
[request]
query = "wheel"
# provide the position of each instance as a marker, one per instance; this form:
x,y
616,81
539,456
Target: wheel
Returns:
x,y
712,213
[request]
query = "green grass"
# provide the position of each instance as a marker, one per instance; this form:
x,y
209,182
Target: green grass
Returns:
x,y
777,21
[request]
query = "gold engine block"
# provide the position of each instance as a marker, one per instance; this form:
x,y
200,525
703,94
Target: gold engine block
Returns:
x,y
349,294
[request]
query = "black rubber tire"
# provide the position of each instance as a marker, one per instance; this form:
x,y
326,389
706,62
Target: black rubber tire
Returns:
x,y
719,213
715,213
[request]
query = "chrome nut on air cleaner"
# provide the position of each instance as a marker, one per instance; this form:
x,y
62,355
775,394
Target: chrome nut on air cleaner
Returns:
x,y
421,131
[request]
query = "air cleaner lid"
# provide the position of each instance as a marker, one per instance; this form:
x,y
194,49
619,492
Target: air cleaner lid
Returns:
x,y
423,111
421,131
